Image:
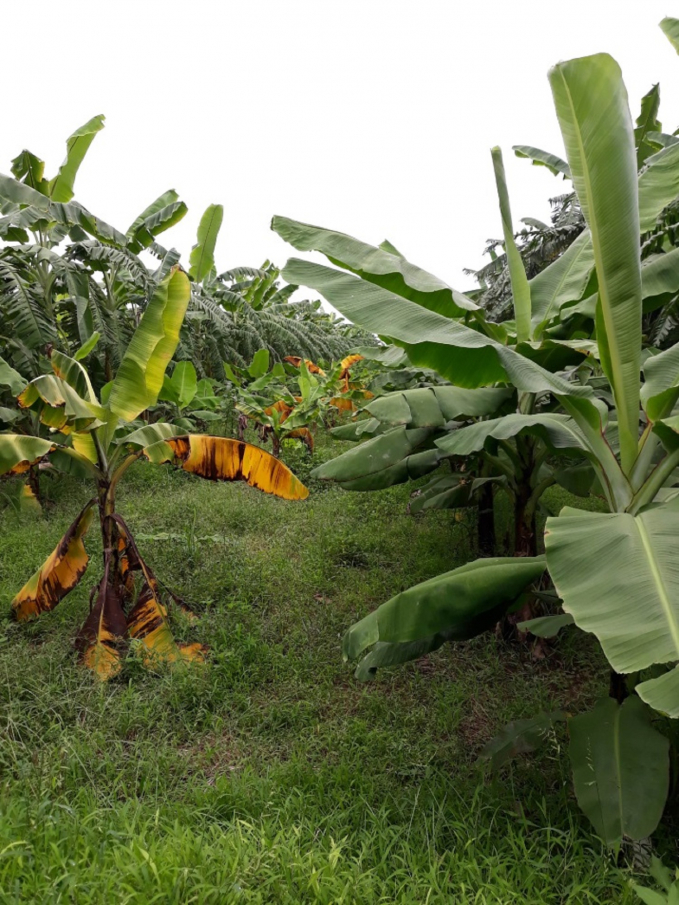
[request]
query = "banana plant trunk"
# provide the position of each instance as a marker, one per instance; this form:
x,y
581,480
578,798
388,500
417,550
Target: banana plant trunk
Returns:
x,y
525,528
110,534
486,520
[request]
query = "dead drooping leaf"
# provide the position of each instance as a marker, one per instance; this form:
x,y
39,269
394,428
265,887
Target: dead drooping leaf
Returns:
x,y
223,459
279,406
303,434
296,362
101,639
347,362
59,574
147,621
343,403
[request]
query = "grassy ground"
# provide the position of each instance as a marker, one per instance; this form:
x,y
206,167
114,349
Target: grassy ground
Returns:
x,y
271,775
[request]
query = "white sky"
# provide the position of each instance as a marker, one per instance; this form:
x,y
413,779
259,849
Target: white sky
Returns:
x,y
373,117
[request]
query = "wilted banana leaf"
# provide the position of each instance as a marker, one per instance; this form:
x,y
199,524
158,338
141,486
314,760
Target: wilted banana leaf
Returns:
x,y
376,265
139,378
101,640
391,458
463,603
59,574
620,769
616,574
147,621
520,737
223,459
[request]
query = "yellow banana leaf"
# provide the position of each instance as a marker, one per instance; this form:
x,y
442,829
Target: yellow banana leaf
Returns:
x,y
223,459
59,574
343,404
349,361
28,501
101,639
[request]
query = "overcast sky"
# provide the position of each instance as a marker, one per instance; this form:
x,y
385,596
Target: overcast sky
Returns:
x,y
373,117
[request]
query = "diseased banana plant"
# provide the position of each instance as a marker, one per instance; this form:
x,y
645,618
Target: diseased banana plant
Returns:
x,y
100,439
616,571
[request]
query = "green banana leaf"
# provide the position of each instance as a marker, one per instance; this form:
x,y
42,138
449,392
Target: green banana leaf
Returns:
x,y
376,265
660,389
140,376
631,604
543,159
202,258
517,272
386,654
647,124
435,406
520,737
591,104
392,458
19,451
462,603
61,187
620,769
558,431
428,338
670,28
11,378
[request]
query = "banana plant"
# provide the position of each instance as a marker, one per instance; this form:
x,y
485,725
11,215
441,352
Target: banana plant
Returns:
x,y
615,571
98,438
53,296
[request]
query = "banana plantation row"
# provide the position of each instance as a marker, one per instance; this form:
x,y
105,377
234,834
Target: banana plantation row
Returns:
x,y
562,367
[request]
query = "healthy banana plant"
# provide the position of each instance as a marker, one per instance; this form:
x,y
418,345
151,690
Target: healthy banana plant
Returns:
x,y
64,273
99,438
616,571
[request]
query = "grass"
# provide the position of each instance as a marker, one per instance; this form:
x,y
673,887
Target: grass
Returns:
x,y
270,774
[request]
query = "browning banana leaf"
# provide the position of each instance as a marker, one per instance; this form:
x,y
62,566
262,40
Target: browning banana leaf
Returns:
x,y
59,574
101,639
223,459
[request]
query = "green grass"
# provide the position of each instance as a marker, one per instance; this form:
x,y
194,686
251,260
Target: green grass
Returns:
x,y
270,774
